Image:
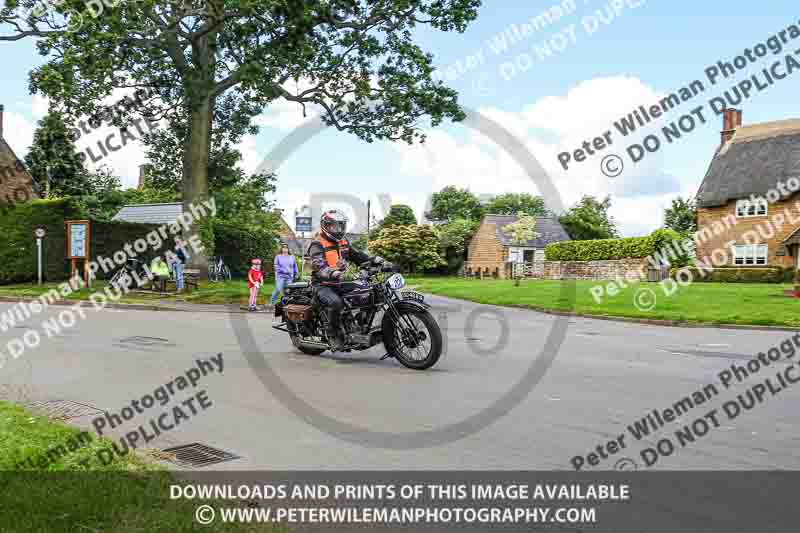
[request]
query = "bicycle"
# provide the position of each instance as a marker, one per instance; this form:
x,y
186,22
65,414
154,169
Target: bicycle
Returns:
x,y
128,274
218,270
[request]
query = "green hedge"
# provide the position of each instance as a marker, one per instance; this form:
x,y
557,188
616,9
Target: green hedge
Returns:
x,y
609,249
736,274
239,246
18,244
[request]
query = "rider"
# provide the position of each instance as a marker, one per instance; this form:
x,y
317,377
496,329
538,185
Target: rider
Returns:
x,y
329,254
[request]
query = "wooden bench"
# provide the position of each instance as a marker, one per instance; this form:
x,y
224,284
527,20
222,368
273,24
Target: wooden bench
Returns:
x,y
191,280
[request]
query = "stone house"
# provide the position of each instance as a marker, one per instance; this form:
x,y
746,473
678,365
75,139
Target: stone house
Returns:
x,y
747,211
491,251
16,184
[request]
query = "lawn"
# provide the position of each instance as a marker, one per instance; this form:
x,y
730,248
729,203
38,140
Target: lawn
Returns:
x,y
207,293
75,491
711,303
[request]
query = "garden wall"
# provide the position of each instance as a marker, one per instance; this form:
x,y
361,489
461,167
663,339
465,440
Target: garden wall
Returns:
x,y
627,269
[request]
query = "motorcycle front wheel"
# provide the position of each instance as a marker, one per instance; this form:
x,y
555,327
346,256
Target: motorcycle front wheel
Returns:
x,y
416,341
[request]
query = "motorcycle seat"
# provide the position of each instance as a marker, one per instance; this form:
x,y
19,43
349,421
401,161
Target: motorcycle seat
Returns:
x,y
298,285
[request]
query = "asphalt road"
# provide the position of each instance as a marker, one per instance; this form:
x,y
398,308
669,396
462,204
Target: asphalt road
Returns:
x,y
605,376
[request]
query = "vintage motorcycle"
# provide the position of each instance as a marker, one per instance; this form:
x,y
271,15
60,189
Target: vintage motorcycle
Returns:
x,y
375,311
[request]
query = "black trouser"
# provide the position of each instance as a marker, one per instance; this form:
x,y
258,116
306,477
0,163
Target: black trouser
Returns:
x,y
333,304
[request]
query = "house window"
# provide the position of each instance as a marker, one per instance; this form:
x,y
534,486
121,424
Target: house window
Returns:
x,y
751,208
750,254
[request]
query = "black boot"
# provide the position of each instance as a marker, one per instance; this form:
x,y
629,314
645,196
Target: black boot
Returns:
x,y
337,342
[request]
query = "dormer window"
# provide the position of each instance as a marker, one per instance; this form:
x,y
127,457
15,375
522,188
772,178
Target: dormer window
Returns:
x,y
751,208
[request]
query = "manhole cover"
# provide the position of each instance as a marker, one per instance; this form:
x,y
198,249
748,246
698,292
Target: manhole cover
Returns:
x,y
143,343
198,455
63,409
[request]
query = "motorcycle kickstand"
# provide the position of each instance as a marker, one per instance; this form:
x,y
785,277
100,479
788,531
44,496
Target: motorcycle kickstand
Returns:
x,y
386,356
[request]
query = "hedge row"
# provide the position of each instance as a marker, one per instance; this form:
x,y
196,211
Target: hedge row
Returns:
x,y
239,246
18,244
735,274
609,249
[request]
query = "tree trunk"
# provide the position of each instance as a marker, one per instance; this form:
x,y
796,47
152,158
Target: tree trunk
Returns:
x,y
195,168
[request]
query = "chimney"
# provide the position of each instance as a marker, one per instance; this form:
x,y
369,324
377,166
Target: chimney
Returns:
x,y
1,121
731,120
141,176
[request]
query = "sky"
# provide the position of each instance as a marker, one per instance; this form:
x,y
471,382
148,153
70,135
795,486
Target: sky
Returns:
x,y
605,59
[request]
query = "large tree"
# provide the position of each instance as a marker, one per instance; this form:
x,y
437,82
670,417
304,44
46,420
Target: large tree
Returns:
x,y
399,215
681,216
454,238
356,61
452,203
589,220
53,160
517,203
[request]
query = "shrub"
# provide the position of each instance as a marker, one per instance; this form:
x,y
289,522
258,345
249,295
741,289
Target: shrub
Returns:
x,y
732,274
609,249
238,246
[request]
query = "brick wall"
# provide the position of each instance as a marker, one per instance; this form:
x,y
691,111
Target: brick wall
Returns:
x,y
485,251
16,185
721,226
627,269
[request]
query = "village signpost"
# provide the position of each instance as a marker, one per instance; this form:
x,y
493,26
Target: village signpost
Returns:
x,y
39,233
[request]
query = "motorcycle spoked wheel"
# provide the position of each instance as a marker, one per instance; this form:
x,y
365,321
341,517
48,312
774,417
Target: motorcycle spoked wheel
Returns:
x,y
418,348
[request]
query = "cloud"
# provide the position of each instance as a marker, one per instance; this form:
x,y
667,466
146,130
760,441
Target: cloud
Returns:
x,y
18,132
548,126
40,105
284,115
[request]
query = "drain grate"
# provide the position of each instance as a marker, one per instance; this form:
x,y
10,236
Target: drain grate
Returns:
x,y
198,455
63,409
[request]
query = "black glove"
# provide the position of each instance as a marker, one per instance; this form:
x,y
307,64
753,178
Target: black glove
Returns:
x,y
337,275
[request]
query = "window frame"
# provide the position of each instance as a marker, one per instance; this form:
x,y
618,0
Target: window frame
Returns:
x,y
746,208
751,253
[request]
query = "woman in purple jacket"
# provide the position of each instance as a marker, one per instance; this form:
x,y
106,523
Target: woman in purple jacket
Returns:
x,y
285,271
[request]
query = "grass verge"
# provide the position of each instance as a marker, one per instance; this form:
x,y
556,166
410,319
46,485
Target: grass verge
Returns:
x,y
46,491
704,303
221,293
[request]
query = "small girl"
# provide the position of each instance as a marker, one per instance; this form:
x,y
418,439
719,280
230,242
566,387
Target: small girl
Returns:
x,y
255,278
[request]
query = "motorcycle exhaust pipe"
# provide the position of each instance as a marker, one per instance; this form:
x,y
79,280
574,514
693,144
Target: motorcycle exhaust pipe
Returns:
x,y
312,344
